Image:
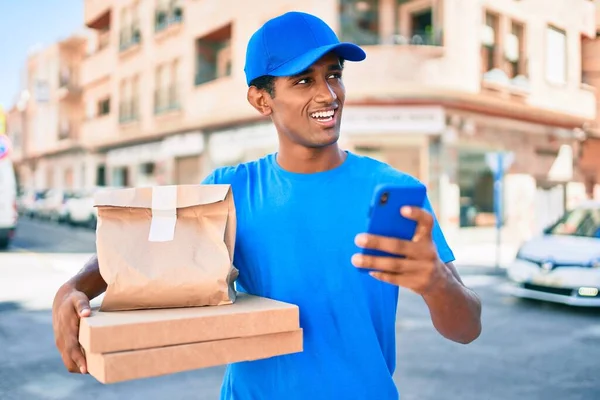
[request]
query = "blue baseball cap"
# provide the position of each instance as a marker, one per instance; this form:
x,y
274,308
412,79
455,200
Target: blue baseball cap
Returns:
x,y
291,43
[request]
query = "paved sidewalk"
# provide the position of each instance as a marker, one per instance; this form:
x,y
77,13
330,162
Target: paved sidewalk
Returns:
x,y
476,249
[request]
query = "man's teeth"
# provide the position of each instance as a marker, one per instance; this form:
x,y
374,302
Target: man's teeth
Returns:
x,y
323,114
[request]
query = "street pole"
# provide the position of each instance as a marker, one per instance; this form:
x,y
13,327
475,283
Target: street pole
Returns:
x,y
498,206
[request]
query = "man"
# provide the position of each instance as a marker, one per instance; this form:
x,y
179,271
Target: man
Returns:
x,y
300,213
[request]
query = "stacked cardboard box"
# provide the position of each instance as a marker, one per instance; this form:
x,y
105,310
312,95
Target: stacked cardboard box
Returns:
x,y
126,345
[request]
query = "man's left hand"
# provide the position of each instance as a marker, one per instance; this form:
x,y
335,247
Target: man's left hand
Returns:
x,y
421,269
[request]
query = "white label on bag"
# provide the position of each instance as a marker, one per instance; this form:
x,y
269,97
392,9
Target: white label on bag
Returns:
x,y
164,213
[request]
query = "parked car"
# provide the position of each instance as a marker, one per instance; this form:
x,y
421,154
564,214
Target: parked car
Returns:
x,y
563,264
8,202
53,205
34,203
79,209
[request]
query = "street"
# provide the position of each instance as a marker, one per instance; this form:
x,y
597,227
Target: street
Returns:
x,y
528,350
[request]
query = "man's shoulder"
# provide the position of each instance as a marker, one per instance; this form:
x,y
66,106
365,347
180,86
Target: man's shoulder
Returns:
x,y
232,174
382,172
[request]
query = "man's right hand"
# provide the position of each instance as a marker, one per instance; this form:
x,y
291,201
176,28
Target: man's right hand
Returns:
x,y
69,306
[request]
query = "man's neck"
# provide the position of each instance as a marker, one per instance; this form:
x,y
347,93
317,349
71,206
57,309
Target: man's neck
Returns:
x,y
302,160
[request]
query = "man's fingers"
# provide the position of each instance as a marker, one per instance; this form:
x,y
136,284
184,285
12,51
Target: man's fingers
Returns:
x,y
415,282
424,221
386,264
76,354
69,363
386,244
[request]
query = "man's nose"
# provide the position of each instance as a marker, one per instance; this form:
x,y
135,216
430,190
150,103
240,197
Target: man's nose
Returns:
x,y
326,94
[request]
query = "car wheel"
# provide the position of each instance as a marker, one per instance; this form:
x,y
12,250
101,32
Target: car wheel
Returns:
x,y
4,242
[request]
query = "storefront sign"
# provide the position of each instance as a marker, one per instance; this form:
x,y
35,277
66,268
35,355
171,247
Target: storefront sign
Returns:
x,y
187,144
428,120
229,146
142,153
174,146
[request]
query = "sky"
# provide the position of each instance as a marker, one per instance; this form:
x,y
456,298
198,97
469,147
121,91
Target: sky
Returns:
x,y
28,23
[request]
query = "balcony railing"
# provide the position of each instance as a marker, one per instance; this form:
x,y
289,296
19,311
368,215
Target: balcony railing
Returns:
x,y
166,99
411,37
419,38
166,17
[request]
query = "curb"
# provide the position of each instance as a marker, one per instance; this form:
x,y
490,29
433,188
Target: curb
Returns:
x,y
480,270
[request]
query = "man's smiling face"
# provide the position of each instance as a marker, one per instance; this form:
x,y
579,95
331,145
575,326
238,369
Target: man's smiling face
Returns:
x,y
307,108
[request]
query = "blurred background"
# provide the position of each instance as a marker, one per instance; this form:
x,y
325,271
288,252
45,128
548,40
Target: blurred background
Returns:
x,y
492,103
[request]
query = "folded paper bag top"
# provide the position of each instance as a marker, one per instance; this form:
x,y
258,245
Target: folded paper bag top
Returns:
x,y
166,246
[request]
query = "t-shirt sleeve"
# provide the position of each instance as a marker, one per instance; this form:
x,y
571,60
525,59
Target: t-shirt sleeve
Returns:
x,y
210,179
444,251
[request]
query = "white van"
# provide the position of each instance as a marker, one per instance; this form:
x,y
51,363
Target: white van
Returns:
x,y
8,202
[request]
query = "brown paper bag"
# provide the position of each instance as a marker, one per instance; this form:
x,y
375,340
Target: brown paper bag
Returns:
x,y
166,246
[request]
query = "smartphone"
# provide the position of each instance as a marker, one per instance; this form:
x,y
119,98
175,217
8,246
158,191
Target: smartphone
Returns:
x,y
384,213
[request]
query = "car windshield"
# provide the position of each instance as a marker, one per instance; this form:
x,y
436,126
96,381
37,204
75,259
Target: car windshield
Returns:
x,y
578,222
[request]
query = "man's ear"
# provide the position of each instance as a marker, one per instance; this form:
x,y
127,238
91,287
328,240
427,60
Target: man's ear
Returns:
x,y
260,100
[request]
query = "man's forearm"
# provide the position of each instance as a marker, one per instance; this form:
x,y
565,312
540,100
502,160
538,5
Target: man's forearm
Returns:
x,y
455,310
89,280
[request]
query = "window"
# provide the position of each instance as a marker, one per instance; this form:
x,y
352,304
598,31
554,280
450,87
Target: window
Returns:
x,y
359,21
556,56
130,34
419,23
489,42
168,12
578,222
421,28
128,107
174,88
120,177
64,128
588,57
104,107
101,175
514,50
135,97
166,95
213,55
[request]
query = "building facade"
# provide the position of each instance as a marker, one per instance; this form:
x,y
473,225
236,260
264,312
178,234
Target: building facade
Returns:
x,y
445,83
47,118
589,160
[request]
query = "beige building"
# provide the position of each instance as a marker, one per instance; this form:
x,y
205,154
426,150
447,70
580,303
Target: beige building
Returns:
x,y
445,82
589,160
47,118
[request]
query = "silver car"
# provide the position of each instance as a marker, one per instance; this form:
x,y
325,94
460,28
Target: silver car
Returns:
x,y
563,264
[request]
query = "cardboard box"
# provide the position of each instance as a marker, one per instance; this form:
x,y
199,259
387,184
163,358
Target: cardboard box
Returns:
x,y
137,364
125,345
106,332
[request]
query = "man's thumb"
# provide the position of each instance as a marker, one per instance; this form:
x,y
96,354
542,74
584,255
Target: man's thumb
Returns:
x,y
82,305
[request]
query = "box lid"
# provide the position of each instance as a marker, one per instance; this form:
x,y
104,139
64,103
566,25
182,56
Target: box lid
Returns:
x,y
104,332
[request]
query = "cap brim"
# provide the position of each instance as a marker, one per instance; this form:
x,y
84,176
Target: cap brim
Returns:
x,y
347,51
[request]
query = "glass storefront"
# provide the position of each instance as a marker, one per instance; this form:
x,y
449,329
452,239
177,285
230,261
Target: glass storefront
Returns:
x,y
476,183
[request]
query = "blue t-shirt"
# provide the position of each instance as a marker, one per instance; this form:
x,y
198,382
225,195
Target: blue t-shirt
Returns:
x,y
295,240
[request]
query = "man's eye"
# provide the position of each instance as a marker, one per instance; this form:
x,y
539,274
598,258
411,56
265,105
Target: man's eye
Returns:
x,y
302,81
337,75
